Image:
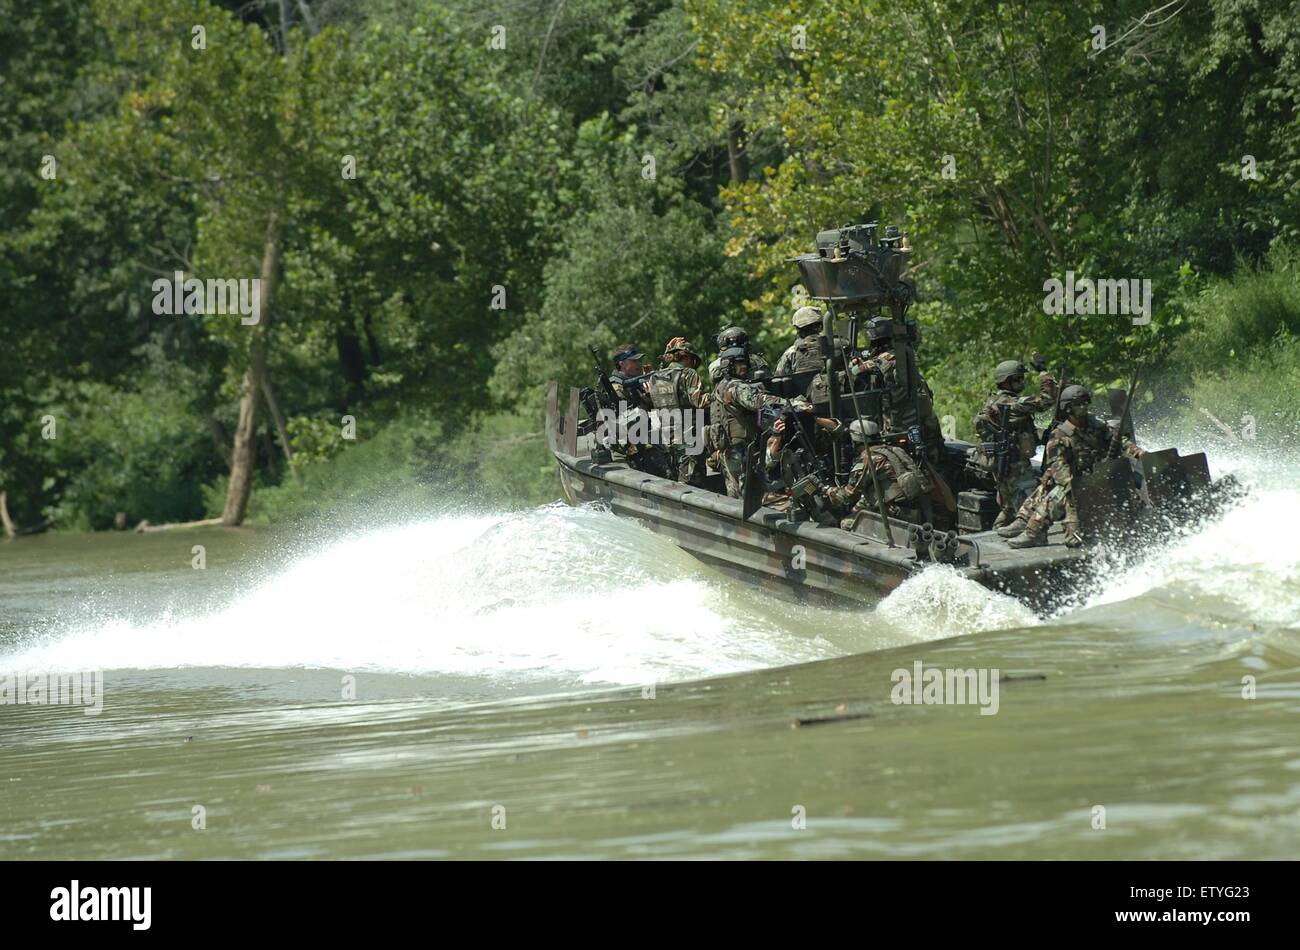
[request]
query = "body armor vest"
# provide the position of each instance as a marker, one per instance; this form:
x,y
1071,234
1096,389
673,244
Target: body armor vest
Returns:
x,y
665,393
1091,442
740,425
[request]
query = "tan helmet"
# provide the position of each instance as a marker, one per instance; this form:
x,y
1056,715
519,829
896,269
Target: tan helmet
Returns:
x,y
806,317
864,430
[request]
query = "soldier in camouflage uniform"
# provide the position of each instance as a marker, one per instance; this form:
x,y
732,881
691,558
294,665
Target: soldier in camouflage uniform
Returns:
x,y
880,368
736,336
734,410
678,387
823,431
804,354
1077,445
903,483
1017,479
634,401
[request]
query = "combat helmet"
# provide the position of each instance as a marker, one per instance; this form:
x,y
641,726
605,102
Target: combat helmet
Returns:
x,y
806,317
732,336
862,430
1075,394
880,328
1009,368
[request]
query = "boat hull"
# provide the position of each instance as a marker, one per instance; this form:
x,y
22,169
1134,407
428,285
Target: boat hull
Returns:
x,y
770,549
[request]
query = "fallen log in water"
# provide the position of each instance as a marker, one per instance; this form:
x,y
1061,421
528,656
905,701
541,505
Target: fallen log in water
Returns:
x,y
144,526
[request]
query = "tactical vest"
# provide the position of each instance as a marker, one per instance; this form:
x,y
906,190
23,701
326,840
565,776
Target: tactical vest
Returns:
x,y
665,393
807,355
1091,443
739,425
910,481
1024,435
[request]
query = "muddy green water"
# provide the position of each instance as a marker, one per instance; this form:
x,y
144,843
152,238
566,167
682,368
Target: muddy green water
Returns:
x,y
563,684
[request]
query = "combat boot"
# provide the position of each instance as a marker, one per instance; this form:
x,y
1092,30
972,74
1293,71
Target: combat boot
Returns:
x,y
1004,517
1014,528
1034,535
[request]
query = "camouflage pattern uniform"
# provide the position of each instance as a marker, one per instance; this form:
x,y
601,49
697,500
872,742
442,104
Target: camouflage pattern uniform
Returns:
x,y
902,482
1019,478
635,395
734,408
678,387
1074,450
635,400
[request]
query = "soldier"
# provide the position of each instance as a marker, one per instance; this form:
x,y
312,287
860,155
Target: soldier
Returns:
x,y
734,409
628,382
1078,444
678,389
1014,475
903,483
628,366
804,354
824,433
881,370
736,336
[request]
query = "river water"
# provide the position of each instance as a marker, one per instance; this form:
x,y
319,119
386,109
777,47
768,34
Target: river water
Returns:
x,y
562,683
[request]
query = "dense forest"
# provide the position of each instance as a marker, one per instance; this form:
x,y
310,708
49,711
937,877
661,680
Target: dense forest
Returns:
x,y
447,201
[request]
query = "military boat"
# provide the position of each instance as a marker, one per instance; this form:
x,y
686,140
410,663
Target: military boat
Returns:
x,y
779,547
856,274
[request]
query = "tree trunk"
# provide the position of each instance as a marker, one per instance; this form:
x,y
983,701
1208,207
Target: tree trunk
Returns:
x,y
4,517
277,417
736,156
243,454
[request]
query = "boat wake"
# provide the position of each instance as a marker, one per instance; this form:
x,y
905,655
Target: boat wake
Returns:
x,y
579,597
555,595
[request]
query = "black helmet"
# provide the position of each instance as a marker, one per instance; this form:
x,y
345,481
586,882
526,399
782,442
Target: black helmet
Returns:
x,y
732,336
880,328
1008,368
1075,394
